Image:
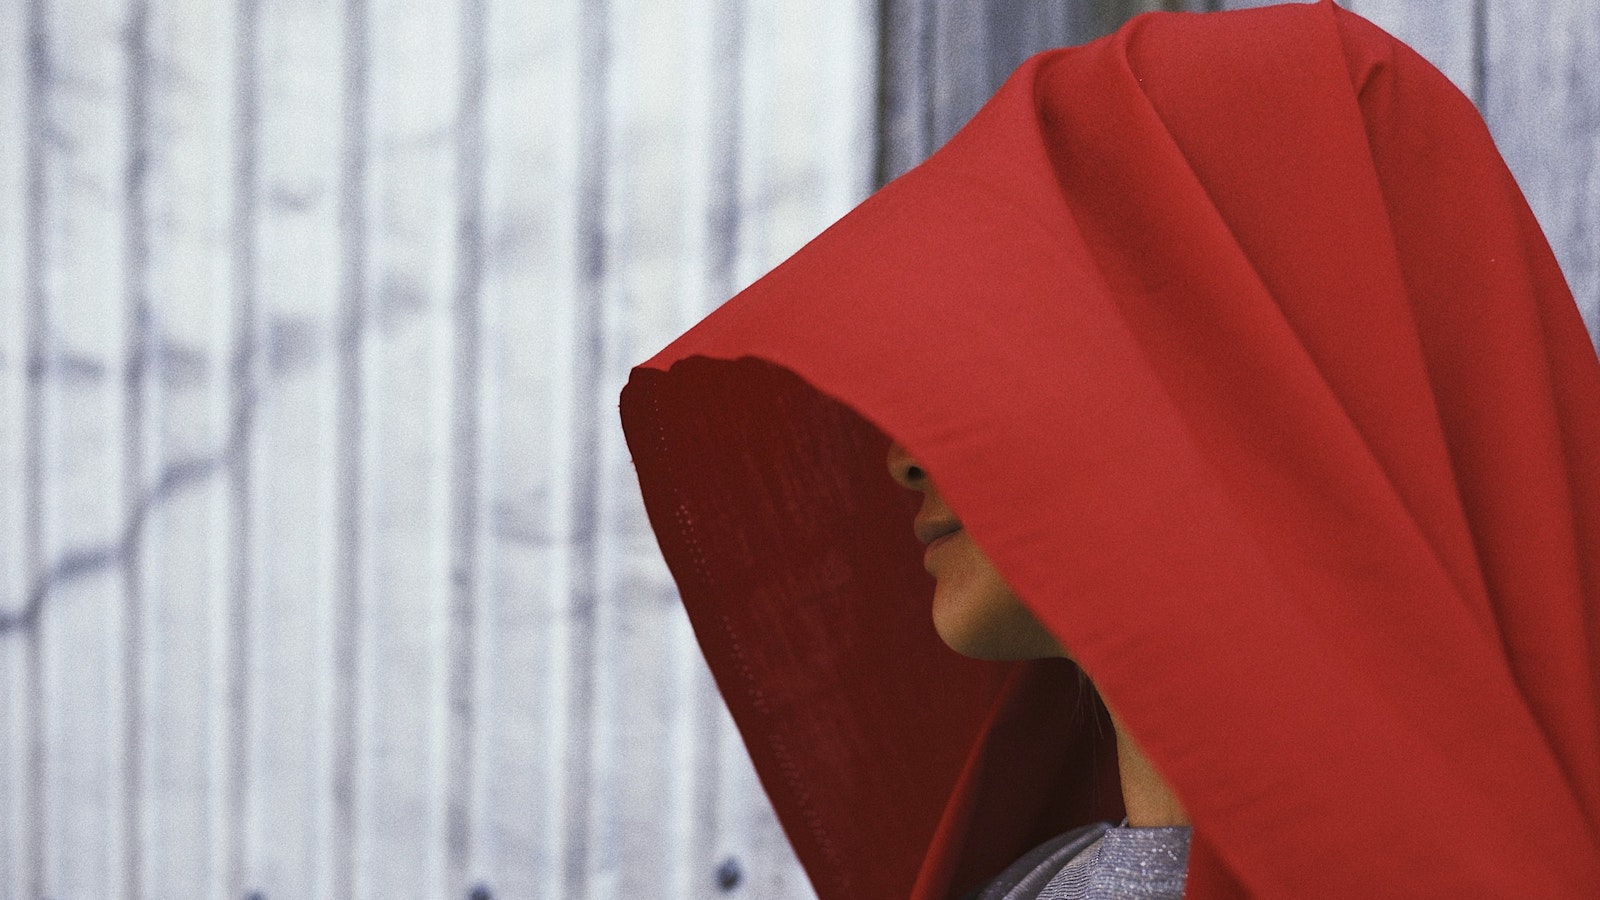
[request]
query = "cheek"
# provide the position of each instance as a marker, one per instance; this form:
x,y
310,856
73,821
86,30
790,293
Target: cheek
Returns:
x,y
976,613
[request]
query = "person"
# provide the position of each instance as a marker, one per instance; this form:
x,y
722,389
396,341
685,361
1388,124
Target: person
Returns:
x,y
978,615
1268,429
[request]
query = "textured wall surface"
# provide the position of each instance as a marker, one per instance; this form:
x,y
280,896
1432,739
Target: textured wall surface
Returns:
x,y
322,568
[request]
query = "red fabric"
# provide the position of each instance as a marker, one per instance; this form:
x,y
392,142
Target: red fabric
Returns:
x,y
1233,343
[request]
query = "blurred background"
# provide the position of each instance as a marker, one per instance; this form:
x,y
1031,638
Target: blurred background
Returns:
x,y
323,572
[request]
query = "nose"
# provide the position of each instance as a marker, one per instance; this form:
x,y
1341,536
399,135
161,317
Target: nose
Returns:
x,y
905,470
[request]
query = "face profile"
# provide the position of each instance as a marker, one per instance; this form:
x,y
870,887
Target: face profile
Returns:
x,y
974,610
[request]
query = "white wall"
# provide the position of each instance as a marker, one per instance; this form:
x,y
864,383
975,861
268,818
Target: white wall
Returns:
x,y
322,568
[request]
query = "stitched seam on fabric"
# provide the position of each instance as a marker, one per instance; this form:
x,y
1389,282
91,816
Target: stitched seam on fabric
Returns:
x,y
785,759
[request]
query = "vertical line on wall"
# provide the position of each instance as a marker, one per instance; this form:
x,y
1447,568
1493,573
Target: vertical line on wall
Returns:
x,y
928,97
1480,56
725,187
594,60
465,589
35,360
349,408
242,387
906,87
727,125
138,358
945,70
881,171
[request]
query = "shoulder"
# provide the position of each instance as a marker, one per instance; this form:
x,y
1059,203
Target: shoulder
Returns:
x,y
1033,870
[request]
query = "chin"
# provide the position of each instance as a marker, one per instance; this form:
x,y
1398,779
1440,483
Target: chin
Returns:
x,y
974,645
975,611
990,625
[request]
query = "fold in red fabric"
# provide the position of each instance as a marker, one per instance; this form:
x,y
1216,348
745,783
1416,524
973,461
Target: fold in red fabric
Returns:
x,y
1233,343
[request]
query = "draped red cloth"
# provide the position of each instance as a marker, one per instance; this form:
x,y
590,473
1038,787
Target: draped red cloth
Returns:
x,y
1232,341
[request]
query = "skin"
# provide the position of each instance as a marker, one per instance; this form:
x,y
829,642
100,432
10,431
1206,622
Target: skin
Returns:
x,y
977,614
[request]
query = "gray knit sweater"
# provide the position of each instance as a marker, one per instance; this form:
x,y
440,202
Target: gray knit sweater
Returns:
x,y
1099,862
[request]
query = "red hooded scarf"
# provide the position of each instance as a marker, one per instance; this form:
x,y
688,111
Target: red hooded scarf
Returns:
x,y
1233,343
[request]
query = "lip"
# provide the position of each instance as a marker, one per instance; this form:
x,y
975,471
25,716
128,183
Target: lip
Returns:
x,y
935,544
931,531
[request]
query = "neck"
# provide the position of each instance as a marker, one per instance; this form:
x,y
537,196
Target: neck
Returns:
x,y
1147,799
